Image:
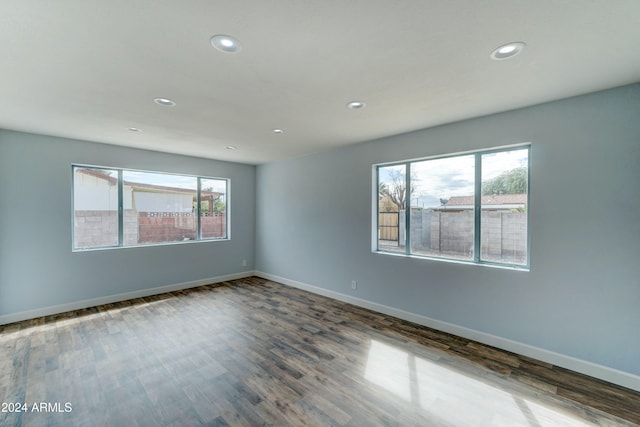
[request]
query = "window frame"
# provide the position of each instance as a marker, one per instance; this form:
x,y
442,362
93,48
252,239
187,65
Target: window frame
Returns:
x,y
477,238
120,209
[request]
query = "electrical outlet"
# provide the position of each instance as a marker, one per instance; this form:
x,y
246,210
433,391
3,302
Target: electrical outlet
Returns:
x,y
244,262
354,284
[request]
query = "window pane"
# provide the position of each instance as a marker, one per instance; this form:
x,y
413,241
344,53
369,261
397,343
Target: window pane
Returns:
x,y
158,208
95,207
213,208
391,208
442,207
504,206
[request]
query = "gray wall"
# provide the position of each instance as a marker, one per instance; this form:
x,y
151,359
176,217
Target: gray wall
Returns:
x,y
38,268
582,296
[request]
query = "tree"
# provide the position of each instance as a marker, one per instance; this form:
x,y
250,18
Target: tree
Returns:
x,y
513,181
395,190
382,189
218,205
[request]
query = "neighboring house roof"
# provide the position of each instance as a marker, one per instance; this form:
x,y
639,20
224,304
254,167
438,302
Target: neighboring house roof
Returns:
x,y
97,174
490,202
145,187
493,199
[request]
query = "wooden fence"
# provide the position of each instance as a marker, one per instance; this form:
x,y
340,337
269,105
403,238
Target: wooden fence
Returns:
x,y
388,225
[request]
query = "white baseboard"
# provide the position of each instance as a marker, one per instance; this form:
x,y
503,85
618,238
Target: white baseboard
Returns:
x,y
605,373
77,305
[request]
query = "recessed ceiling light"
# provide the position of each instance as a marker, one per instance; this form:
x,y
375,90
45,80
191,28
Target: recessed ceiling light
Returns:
x,y
278,131
135,129
356,105
230,147
164,101
507,51
226,43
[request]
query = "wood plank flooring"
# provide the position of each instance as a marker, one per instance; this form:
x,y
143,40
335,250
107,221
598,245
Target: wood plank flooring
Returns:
x,y
257,353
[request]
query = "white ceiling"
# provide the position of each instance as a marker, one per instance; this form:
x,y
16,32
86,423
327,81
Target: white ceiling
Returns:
x,y
90,69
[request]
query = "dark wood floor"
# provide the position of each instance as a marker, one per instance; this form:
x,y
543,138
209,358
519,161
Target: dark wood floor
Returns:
x,y
256,353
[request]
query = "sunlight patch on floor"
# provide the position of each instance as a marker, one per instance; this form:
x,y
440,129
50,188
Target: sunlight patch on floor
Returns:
x,y
455,397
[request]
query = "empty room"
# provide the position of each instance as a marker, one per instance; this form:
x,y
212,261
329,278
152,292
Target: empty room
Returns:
x,y
323,213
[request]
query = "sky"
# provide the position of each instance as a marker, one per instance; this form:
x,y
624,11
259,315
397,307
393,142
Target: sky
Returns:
x,y
443,178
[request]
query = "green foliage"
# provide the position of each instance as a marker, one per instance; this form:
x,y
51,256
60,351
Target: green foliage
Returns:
x,y
219,206
383,189
513,181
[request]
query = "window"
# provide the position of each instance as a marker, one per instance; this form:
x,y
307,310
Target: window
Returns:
x,y
115,207
391,205
470,207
